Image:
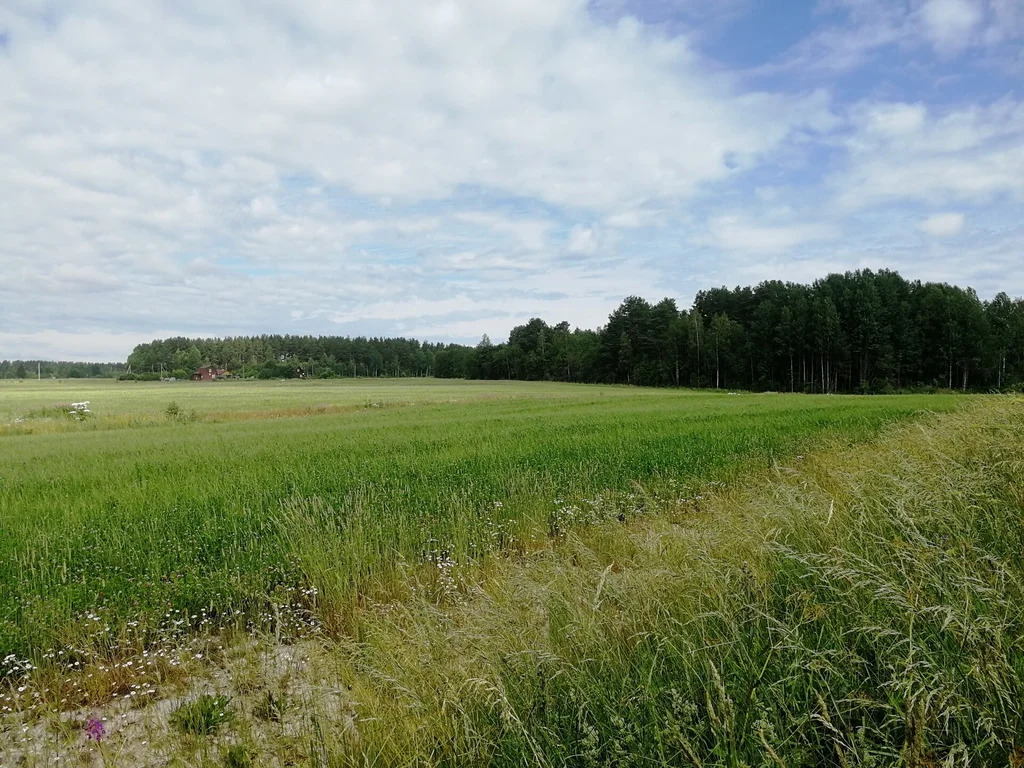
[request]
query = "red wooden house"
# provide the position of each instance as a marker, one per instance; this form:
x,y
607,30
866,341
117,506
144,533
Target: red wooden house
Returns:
x,y
209,373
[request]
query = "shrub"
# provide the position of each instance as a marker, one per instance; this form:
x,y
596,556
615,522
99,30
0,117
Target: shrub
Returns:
x,y
174,412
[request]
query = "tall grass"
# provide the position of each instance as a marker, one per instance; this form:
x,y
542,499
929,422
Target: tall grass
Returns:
x,y
136,527
834,602
862,607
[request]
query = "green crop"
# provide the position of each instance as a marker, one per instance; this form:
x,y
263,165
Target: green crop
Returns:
x,y
137,521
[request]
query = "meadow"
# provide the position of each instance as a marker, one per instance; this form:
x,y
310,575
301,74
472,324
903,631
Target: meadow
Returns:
x,y
425,573
449,574
212,501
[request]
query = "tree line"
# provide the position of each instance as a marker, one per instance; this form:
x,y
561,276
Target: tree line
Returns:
x,y
862,331
54,369
285,356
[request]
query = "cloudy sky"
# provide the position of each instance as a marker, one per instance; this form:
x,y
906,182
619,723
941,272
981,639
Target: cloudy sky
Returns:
x,y
441,169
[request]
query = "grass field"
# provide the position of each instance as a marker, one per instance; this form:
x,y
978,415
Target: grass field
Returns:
x,y
849,597
859,606
432,573
219,508
27,407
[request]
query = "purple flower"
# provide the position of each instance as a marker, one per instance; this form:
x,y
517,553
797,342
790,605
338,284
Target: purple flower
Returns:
x,y
94,729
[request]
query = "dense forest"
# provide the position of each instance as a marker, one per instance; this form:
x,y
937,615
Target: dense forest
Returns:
x,y
860,331
282,357
51,369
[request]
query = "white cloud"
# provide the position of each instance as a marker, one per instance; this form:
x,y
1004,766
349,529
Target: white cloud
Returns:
x,y
56,345
399,99
986,256
943,224
1008,21
735,233
270,156
634,218
894,120
907,152
870,26
262,207
582,241
439,167
530,232
949,24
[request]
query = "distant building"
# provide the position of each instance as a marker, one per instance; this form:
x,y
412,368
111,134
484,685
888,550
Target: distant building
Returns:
x,y
209,373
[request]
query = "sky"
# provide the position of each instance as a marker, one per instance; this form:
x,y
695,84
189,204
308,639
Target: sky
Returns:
x,y
441,169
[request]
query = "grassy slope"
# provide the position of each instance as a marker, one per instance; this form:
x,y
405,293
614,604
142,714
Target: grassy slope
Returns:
x,y
861,607
209,518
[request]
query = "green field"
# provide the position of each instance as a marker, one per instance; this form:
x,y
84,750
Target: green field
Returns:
x,y
249,490
427,573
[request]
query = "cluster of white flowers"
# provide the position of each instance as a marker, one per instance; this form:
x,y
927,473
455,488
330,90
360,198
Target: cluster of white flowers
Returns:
x,y
447,572
498,535
79,411
600,509
11,666
447,585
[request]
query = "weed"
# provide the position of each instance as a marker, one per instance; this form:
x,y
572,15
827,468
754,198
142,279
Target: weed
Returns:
x,y
174,412
202,716
238,756
860,610
270,706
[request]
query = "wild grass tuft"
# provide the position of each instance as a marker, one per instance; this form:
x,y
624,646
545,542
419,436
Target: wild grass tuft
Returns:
x,y
238,756
203,715
270,706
